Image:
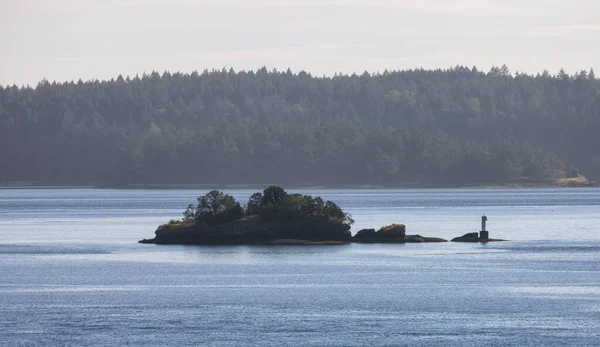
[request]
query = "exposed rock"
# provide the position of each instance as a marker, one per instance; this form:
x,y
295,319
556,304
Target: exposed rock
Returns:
x,y
470,237
253,230
391,234
395,233
473,237
393,230
365,233
419,239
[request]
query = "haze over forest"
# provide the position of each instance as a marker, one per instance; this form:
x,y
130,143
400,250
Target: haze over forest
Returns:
x,y
312,116
444,127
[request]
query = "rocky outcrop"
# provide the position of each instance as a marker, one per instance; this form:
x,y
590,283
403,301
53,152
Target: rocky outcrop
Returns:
x,y
473,237
253,230
419,239
309,231
395,233
470,237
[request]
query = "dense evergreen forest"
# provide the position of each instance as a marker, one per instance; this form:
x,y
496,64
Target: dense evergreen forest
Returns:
x,y
443,127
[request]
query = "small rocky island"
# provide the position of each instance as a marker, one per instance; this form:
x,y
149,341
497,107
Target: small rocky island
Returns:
x,y
482,236
272,217
395,233
475,237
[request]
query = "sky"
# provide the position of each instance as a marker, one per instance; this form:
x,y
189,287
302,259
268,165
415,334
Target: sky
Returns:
x,y
64,40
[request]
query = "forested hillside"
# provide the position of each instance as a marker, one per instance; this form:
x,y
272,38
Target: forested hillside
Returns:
x,y
442,127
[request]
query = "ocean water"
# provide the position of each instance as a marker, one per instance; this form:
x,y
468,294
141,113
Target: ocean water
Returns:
x,y
72,274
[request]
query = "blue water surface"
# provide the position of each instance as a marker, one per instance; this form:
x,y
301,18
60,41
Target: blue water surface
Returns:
x,y
71,273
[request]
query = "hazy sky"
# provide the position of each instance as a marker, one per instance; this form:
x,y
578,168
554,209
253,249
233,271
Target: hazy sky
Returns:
x,y
71,39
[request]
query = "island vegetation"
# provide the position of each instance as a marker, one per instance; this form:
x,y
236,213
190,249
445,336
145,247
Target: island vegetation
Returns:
x,y
272,217
458,126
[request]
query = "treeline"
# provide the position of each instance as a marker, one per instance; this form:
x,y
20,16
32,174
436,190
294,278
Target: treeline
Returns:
x,y
452,126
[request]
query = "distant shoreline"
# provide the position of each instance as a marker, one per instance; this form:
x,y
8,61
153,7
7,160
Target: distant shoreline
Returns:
x,y
539,185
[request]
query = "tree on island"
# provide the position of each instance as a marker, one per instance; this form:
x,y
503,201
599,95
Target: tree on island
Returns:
x,y
273,196
254,203
273,204
276,203
271,216
213,208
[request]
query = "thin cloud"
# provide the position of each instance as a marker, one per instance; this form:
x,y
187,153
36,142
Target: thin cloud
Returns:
x,y
565,30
